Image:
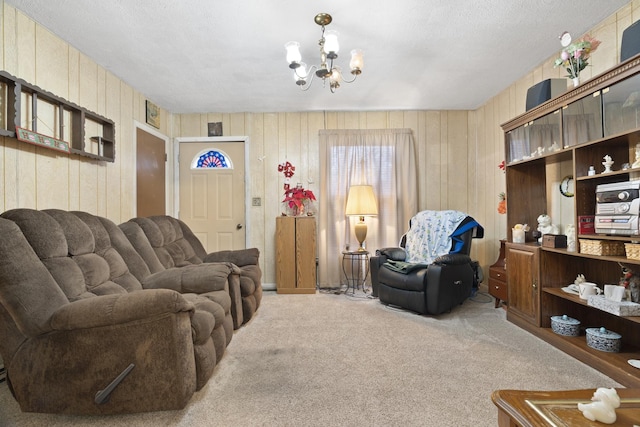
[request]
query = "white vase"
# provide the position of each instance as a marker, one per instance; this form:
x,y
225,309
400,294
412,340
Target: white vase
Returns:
x,y
576,81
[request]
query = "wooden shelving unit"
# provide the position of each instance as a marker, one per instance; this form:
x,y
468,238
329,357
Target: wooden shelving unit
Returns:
x,y
66,130
572,132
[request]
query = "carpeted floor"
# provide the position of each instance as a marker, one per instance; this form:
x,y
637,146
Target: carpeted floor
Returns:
x,y
337,360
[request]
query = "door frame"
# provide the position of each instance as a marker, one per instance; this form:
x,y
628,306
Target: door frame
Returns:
x,y
168,184
247,172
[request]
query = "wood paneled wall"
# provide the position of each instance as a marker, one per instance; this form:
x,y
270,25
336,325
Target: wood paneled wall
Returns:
x,y
458,151
446,160
39,178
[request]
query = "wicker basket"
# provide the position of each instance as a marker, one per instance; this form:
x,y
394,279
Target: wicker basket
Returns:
x,y
601,247
633,250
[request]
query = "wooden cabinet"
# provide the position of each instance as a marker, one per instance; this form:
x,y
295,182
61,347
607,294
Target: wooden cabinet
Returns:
x,y
296,255
524,279
562,138
498,278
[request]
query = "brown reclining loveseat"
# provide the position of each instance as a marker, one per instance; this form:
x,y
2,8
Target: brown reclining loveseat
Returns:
x,y
79,333
174,244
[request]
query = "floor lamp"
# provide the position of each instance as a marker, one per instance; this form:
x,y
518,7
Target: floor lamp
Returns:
x,y
361,202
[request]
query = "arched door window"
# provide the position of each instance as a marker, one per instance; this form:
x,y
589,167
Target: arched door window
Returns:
x,y
208,159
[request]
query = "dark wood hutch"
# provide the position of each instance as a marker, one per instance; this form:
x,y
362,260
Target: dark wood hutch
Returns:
x,y
572,132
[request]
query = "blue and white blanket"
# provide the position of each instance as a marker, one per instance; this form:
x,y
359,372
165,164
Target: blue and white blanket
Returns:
x,y
431,234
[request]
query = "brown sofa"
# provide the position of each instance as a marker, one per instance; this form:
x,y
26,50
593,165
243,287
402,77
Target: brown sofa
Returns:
x,y
174,244
74,317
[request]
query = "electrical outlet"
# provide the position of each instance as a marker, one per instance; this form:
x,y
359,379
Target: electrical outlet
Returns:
x,y
256,201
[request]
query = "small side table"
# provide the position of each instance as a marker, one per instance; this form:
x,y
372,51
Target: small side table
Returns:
x,y
355,265
498,287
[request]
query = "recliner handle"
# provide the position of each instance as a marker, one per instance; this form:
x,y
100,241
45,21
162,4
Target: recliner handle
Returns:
x,y
102,396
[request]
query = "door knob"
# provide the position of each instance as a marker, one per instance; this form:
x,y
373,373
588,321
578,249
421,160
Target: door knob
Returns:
x,y
239,226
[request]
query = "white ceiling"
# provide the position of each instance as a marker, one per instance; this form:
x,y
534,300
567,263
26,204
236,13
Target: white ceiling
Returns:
x,y
228,56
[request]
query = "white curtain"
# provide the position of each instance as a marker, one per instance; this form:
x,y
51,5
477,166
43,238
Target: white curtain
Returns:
x,y
384,159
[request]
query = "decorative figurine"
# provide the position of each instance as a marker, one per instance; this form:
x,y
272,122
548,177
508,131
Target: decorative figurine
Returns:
x,y
603,406
631,281
607,163
570,231
545,226
636,164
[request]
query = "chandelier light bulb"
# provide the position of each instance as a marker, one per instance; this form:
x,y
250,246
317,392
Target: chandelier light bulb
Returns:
x,y
357,62
300,74
293,54
334,79
331,44
335,76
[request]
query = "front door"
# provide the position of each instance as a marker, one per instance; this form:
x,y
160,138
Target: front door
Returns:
x,y
212,193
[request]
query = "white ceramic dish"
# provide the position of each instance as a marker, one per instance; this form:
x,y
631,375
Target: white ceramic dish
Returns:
x,y
634,362
571,291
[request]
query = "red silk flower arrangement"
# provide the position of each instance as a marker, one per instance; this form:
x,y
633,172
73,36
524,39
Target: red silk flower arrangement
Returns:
x,y
295,198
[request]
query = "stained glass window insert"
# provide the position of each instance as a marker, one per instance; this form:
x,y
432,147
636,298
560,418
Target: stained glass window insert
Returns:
x,y
209,159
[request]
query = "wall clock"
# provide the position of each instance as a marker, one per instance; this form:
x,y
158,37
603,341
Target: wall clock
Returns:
x,y
566,186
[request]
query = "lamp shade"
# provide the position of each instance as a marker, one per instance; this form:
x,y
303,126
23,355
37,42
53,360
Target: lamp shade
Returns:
x,y
300,73
357,62
361,201
331,41
293,52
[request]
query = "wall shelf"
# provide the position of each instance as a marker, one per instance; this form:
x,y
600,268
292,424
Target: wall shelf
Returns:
x,y
64,124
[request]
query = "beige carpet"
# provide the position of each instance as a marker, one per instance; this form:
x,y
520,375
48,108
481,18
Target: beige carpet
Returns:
x,y
336,360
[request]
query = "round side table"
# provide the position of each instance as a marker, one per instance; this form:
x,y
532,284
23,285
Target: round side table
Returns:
x,y
355,265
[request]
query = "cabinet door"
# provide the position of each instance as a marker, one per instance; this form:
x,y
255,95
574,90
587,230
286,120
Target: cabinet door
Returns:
x,y
523,270
306,253
285,253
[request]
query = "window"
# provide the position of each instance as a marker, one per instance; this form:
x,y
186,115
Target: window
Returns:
x,y
207,159
383,159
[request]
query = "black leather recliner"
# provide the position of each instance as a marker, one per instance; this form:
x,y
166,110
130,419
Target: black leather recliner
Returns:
x,y
432,288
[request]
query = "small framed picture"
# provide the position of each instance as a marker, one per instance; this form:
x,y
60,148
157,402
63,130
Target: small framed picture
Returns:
x,y
153,115
215,129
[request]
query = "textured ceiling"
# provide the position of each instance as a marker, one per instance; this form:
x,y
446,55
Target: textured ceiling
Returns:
x,y
228,56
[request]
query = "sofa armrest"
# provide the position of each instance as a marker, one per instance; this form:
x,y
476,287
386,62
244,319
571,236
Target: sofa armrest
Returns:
x,y
95,339
117,309
239,257
201,279
376,261
452,259
396,254
197,279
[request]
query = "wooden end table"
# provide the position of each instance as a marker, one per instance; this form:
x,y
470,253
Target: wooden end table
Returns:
x,y
521,408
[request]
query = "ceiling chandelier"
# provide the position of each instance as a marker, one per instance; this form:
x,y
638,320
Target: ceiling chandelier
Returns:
x,y
329,48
